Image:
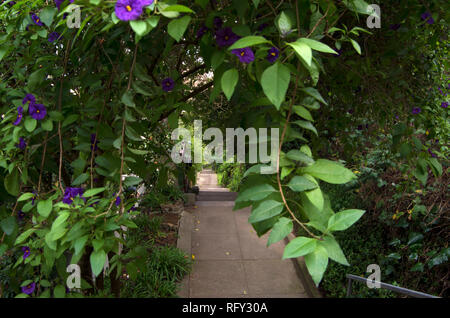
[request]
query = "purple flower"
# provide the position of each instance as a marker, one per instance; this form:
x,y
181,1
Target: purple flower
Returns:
x,y
350,111
60,2
29,98
52,37
147,2
36,19
432,154
71,193
128,9
20,215
395,27
118,201
273,54
360,127
444,104
11,3
26,252
167,84
19,116
245,54
226,37
29,289
94,142
426,16
201,31
22,144
37,111
34,197
339,52
217,23
416,110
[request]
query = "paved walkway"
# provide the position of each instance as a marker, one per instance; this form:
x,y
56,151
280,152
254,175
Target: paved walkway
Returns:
x,y
230,261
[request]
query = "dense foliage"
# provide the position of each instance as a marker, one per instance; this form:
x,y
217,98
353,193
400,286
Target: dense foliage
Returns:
x,y
87,113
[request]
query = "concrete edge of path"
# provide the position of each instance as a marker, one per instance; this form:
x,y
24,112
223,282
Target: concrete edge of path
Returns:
x,y
186,223
302,272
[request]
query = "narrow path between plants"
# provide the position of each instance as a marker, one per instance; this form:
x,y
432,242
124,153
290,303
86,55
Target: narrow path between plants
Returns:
x,y
230,261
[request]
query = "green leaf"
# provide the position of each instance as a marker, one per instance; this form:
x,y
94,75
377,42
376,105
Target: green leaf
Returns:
x,y
59,291
280,230
217,59
311,91
283,23
8,225
256,193
176,28
47,15
127,99
303,112
80,179
334,251
247,41
317,46
300,184
11,182
178,8
344,219
317,263
315,196
275,82
45,207
70,120
229,80
356,46
47,125
98,259
25,196
30,124
299,246
92,192
299,156
22,237
330,171
303,50
139,27
265,210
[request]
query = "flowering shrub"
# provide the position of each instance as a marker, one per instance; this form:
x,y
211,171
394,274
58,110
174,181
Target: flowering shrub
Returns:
x,y
75,103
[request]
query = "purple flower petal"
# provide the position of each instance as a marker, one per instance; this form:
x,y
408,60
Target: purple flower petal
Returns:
x,y
167,84
245,55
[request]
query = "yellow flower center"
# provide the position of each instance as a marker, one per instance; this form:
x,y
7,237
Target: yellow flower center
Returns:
x,y
37,111
242,53
226,37
273,53
129,8
37,20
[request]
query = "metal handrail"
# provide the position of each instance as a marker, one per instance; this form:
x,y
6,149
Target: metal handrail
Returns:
x,y
393,288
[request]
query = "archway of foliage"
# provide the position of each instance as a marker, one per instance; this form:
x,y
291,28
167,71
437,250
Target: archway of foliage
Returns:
x,y
76,101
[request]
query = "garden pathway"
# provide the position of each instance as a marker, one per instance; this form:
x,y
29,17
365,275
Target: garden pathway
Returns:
x,y
230,261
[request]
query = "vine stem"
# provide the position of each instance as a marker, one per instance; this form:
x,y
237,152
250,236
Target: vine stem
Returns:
x,y
280,187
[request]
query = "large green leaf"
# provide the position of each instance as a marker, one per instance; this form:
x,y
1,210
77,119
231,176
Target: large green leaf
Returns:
x,y
334,250
280,230
275,82
299,246
265,210
317,46
176,28
256,193
300,184
299,156
11,182
229,80
330,171
98,259
303,50
8,225
344,219
44,207
248,41
317,263
311,91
